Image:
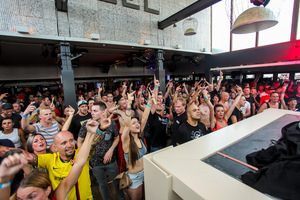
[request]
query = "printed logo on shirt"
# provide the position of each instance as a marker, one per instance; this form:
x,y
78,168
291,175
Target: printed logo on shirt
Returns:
x,y
196,134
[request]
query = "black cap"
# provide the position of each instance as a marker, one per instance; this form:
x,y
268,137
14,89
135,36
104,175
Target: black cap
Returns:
x,y
7,106
118,98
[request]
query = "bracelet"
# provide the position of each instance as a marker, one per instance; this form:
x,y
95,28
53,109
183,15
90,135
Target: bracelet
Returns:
x,y
5,185
200,90
155,87
149,105
176,92
128,108
0,101
207,100
98,131
25,116
99,95
205,97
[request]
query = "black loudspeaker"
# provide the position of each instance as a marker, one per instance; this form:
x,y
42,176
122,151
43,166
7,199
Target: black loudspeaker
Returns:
x,y
176,57
61,5
105,68
235,74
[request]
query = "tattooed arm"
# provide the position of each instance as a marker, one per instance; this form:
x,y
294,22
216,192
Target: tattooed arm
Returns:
x,y
32,158
105,123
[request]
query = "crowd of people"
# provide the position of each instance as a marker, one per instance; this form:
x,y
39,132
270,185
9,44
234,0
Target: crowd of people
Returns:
x,y
50,151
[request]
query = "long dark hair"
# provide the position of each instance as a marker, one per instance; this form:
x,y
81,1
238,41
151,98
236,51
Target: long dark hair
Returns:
x,y
133,153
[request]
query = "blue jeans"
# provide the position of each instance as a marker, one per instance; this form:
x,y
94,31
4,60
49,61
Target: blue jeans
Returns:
x,y
153,149
100,174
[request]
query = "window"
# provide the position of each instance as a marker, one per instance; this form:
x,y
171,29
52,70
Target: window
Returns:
x,y
280,32
250,76
283,76
268,76
220,28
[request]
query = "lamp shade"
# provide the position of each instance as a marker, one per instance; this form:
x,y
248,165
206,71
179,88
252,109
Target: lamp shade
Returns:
x,y
253,20
190,26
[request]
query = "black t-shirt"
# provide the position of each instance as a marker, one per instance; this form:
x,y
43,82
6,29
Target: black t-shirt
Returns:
x,y
76,123
298,101
16,118
178,120
238,114
109,135
251,101
158,126
187,132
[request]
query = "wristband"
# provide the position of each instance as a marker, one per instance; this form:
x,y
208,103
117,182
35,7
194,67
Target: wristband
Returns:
x,y
149,105
176,92
0,101
207,100
25,116
200,90
155,87
5,185
205,97
128,108
98,131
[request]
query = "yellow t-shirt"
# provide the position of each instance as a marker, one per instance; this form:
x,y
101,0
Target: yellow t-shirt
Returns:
x,y
58,170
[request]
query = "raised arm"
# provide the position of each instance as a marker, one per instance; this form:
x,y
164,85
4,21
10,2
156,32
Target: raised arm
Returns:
x,y
125,134
282,98
196,94
219,81
236,101
211,109
146,113
25,122
69,120
8,168
67,184
124,86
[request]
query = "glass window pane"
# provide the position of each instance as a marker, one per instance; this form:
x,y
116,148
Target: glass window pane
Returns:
x,y
243,41
220,28
280,32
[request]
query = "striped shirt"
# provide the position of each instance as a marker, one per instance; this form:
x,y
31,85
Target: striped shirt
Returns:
x,y
48,133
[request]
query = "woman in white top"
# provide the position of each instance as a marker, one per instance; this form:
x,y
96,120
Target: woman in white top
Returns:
x,y
15,135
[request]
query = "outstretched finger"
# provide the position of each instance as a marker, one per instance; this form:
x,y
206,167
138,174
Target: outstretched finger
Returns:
x,y
110,116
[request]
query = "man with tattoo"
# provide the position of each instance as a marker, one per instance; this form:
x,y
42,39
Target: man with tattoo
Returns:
x,y
104,160
59,164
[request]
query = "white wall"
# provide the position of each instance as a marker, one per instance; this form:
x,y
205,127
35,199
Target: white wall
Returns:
x,y
113,22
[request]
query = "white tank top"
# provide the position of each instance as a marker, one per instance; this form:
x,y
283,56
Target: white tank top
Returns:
x,y
14,137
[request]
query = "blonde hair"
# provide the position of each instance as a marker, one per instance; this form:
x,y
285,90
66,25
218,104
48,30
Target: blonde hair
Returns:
x,y
34,116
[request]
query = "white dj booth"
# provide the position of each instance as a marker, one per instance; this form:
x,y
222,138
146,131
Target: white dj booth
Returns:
x,y
180,172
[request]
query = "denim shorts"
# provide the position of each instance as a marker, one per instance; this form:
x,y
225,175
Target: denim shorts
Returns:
x,y
137,179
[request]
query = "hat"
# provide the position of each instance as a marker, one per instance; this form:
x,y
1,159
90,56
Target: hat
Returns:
x,y
270,88
291,99
118,98
7,106
81,103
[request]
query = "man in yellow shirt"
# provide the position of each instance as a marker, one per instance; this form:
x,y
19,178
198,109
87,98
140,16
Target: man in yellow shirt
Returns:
x,y
59,164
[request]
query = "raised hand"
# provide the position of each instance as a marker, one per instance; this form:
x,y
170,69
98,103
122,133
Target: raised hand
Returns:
x,y
11,165
239,89
178,89
71,110
156,82
130,97
92,126
3,95
29,109
105,123
221,73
